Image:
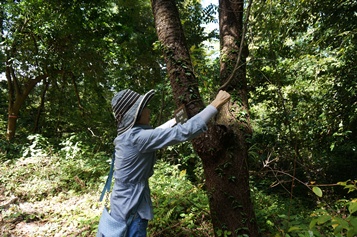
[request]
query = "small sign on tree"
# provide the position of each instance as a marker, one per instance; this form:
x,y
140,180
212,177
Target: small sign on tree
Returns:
x,y
181,114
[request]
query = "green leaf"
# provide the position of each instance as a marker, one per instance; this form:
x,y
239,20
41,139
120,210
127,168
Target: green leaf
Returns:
x,y
352,232
337,221
317,191
332,146
294,228
323,219
353,222
338,229
352,207
313,223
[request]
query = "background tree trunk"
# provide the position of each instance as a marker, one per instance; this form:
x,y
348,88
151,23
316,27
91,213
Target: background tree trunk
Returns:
x,y
40,109
223,149
17,95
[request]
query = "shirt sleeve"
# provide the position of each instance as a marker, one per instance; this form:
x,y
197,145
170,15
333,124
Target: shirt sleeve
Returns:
x,y
168,124
149,140
208,113
205,114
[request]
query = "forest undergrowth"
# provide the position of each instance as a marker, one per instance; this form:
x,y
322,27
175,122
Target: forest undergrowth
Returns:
x,y
55,192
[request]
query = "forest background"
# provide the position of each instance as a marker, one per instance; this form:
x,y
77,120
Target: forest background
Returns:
x,y
70,57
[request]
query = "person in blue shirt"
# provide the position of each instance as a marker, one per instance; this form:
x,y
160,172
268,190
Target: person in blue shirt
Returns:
x,y
135,147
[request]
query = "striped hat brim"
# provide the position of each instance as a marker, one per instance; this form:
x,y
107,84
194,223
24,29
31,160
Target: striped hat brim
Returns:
x,y
128,120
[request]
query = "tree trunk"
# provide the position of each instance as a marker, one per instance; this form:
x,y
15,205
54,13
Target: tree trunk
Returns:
x,y
17,95
183,81
223,149
46,84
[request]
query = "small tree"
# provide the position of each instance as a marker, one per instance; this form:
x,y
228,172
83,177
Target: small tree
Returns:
x,y
47,40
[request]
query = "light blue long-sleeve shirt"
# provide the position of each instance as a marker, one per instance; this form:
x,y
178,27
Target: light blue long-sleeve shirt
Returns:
x,y
135,159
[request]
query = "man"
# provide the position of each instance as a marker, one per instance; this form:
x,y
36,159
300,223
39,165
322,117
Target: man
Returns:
x,y
135,148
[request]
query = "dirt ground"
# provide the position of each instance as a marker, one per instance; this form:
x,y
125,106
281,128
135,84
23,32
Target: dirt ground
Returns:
x,y
54,216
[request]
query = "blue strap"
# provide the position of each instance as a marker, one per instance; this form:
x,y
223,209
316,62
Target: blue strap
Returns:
x,y
108,183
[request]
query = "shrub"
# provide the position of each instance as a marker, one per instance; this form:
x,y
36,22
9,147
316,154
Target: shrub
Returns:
x,y
180,208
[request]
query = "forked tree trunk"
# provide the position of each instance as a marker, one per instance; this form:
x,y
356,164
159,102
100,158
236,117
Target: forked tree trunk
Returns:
x,y
17,95
223,149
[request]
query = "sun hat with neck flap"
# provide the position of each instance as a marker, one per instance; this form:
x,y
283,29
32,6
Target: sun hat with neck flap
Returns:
x,y
127,106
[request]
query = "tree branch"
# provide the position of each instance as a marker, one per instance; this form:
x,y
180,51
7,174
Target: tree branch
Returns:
x,y
237,66
77,92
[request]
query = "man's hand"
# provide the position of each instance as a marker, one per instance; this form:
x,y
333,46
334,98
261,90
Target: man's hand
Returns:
x,y
221,98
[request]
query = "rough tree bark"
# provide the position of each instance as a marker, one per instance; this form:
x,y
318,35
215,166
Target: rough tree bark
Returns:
x,y
223,149
170,33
